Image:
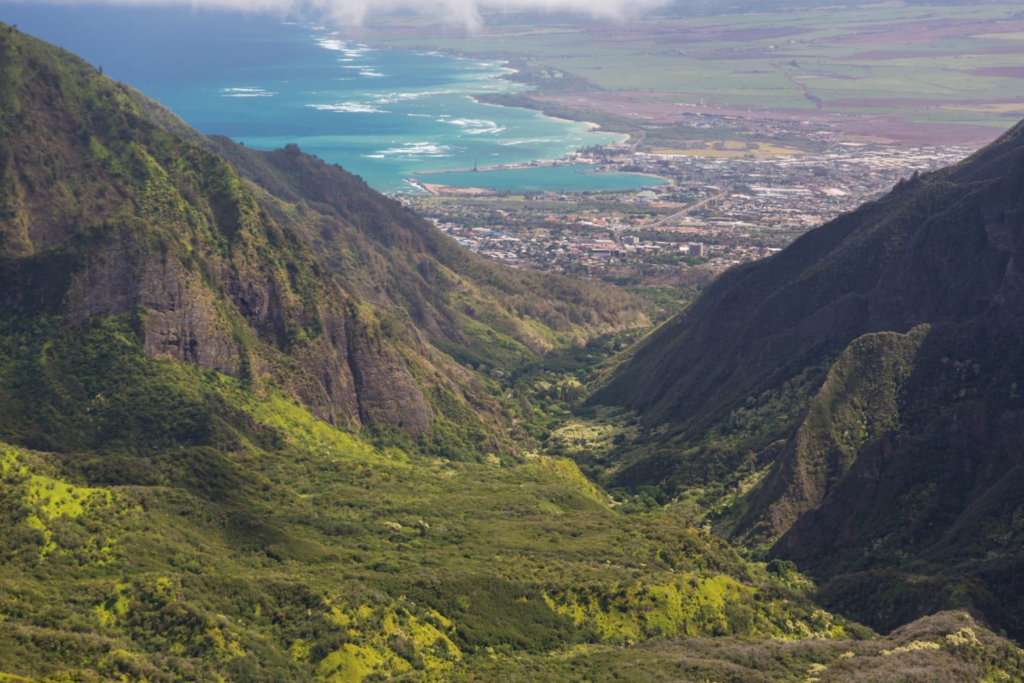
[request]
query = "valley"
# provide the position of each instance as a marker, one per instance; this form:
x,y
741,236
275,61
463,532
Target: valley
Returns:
x,y
754,418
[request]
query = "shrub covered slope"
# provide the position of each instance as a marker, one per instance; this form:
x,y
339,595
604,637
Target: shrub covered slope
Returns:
x,y
854,402
239,440
110,206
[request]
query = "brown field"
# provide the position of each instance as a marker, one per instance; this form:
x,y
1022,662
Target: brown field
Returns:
x,y
999,71
1010,35
889,127
887,103
905,33
950,73
713,36
1016,108
882,55
733,149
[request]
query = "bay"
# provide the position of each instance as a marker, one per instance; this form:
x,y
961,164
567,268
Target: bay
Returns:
x,y
382,114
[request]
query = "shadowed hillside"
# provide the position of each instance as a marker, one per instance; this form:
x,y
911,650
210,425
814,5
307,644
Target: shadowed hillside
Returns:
x,y
240,440
858,396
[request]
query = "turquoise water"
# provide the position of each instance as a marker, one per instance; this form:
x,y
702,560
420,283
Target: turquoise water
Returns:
x,y
550,178
382,114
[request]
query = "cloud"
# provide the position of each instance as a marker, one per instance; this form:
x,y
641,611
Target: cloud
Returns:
x,y
468,13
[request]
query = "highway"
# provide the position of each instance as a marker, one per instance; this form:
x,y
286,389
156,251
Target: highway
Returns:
x,y
692,207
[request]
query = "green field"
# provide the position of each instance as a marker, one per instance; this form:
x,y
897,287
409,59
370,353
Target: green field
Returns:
x,y
923,65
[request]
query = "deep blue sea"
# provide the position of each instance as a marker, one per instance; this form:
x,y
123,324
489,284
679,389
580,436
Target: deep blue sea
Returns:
x,y
382,114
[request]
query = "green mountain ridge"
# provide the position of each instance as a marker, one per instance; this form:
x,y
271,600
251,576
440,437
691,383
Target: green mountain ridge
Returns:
x,y
250,431
239,439
348,299
852,403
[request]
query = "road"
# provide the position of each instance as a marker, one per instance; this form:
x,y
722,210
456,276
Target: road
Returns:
x,y
692,207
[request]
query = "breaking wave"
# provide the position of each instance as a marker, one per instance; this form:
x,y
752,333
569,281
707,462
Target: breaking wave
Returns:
x,y
420,149
246,92
349,108
477,126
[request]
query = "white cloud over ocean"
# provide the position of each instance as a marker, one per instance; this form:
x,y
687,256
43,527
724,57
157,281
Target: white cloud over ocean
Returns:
x,y
352,12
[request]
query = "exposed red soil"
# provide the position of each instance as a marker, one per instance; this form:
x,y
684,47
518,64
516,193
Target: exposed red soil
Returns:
x,y
917,24
889,126
914,54
999,71
737,36
740,53
876,103
913,32
923,133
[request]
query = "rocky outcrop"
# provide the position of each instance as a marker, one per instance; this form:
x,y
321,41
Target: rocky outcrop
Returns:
x,y
387,391
181,320
858,404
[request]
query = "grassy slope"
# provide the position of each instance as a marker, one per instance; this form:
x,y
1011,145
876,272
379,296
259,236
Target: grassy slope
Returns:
x,y
947,648
234,534
278,548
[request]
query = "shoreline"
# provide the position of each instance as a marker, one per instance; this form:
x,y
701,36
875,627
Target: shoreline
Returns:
x,y
536,163
591,126
525,166
503,72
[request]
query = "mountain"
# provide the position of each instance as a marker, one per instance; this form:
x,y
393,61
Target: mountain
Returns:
x,y
250,428
277,269
250,431
853,403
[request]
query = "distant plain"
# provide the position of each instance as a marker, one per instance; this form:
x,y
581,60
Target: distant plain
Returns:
x,y
938,74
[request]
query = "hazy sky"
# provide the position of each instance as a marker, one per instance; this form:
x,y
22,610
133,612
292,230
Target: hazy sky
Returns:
x,y
466,12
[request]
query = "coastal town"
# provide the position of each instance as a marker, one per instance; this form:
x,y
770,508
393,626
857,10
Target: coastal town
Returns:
x,y
722,203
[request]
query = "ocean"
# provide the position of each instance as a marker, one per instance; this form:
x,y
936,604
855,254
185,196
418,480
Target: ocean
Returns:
x,y
381,114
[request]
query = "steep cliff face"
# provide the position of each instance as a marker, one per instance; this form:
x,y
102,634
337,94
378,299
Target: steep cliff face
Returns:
x,y
137,219
301,276
858,404
858,396
929,513
395,258
940,249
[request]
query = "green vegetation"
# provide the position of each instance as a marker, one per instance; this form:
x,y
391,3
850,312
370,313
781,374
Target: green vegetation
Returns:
x,y
852,404
239,440
946,648
923,65
276,268
224,532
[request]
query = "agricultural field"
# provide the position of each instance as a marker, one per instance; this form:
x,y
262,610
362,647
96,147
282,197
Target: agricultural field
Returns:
x,y
729,149
949,74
